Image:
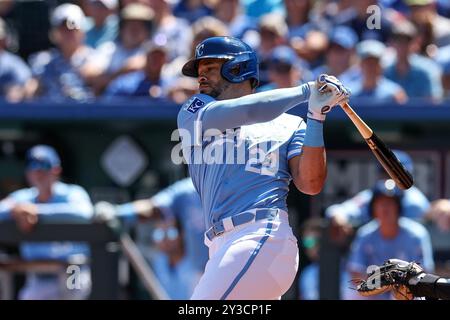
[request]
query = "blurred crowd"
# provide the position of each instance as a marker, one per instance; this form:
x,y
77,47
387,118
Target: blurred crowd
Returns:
x,y
101,49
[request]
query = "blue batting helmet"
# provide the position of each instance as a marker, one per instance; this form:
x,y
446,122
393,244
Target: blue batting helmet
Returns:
x,y
242,62
386,188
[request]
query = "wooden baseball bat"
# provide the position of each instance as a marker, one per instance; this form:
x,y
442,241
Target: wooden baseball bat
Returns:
x,y
393,167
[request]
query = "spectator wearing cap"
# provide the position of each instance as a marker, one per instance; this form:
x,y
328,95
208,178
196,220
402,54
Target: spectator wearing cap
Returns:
x,y
126,54
14,73
273,32
62,73
388,235
424,13
48,199
192,10
232,14
340,59
357,19
285,69
172,32
103,22
406,70
374,85
151,82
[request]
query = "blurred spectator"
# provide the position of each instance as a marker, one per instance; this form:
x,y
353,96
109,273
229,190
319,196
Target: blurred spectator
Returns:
x,y
340,56
182,89
273,31
179,201
170,264
374,85
423,13
389,235
48,199
62,73
126,54
312,49
258,8
439,214
27,25
298,18
357,18
355,211
103,24
309,279
192,10
170,31
285,69
404,70
14,73
203,28
443,58
149,82
232,14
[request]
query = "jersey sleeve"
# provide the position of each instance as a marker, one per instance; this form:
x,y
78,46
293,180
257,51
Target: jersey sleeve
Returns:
x,y
296,143
190,119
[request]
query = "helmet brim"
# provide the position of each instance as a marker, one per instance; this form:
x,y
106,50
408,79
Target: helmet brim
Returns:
x,y
190,68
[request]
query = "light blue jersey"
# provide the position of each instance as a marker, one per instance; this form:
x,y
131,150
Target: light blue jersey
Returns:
x,y
237,155
356,209
412,243
182,201
69,203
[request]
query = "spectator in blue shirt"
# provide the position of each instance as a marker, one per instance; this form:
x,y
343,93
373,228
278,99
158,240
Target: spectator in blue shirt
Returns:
x,y
48,199
61,73
389,235
374,85
149,82
14,73
192,10
407,72
103,23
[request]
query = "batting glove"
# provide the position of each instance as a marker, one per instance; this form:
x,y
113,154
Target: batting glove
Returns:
x,y
326,92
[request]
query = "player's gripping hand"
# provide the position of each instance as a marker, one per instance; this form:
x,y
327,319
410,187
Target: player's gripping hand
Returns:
x,y
326,92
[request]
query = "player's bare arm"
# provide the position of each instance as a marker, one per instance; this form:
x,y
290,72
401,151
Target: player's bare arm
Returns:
x,y
309,170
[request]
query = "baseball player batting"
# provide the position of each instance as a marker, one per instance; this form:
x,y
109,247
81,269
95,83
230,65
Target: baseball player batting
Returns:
x,y
242,152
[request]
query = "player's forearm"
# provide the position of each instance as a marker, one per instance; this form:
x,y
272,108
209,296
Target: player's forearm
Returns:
x,y
254,108
311,170
142,209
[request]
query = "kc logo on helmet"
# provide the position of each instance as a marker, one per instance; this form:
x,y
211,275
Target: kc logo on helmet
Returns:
x,y
200,50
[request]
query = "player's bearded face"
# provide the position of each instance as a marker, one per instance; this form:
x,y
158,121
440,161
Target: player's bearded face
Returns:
x,y
210,80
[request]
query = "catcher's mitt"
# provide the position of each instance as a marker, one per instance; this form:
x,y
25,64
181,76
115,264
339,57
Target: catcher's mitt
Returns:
x,y
395,275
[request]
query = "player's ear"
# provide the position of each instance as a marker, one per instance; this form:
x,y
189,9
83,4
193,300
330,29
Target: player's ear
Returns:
x,y
53,35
